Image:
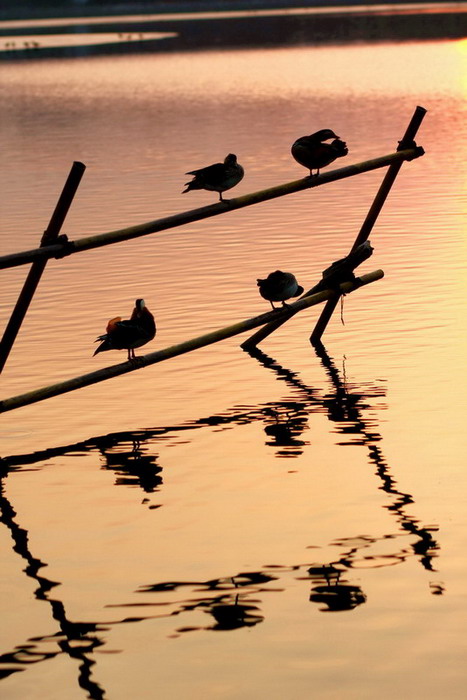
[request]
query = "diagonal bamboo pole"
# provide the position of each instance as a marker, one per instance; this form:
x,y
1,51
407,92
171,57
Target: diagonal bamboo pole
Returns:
x,y
371,217
168,222
365,230
179,349
49,236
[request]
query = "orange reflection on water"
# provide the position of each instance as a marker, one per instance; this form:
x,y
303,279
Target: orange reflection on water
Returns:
x,y
270,488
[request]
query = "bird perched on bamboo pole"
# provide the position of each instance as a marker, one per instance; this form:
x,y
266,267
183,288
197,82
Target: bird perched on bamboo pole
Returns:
x,y
313,153
131,334
216,178
279,286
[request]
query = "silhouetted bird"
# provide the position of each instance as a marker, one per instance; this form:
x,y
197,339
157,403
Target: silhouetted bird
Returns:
x,y
218,177
128,335
313,153
279,286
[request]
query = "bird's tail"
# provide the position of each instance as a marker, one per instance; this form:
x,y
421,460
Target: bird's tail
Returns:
x,y
105,344
189,186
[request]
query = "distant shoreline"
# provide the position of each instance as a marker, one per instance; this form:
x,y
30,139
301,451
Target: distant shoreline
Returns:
x,y
11,10
122,31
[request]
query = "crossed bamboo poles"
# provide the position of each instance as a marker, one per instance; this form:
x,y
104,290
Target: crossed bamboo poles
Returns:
x,y
54,245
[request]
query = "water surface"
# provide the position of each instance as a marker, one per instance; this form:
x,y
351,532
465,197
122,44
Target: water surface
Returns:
x,y
287,524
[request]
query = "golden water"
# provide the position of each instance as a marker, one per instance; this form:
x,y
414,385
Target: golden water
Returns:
x,y
194,545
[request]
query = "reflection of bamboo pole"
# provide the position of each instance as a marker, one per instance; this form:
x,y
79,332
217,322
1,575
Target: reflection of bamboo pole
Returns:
x,y
126,234
37,268
79,639
365,230
182,348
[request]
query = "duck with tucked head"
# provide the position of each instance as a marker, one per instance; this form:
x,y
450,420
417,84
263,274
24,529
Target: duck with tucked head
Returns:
x,y
279,286
128,335
313,153
216,178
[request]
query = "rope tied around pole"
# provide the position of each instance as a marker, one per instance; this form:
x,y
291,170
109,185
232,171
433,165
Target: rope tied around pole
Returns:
x,y
67,247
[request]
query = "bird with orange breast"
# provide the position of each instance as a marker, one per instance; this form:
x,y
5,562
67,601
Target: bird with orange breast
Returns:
x,y
314,153
131,334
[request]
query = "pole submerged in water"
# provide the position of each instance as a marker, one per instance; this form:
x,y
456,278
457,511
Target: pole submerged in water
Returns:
x,y
373,213
33,278
181,348
393,170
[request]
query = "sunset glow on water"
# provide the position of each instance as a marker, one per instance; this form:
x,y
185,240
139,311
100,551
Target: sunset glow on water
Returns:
x,y
221,525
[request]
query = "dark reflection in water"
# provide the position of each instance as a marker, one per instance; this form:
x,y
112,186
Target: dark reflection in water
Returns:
x,y
332,593
230,616
345,407
289,420
76,639
284,423
221,598
133,468
231,602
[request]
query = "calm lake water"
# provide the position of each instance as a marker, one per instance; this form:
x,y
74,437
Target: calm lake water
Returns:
x,y
286,525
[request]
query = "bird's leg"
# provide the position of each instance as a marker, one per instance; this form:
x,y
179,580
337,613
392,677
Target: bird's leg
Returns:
x,y
220,197
273,307
284,305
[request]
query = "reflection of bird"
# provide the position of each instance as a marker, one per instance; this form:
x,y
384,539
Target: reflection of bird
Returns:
x,y
340,596
128,335
218,177
133,468
313,153
287,429
230,616
279,286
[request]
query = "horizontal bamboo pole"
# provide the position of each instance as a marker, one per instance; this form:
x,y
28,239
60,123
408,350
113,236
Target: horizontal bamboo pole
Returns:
x,y
127,234
181,348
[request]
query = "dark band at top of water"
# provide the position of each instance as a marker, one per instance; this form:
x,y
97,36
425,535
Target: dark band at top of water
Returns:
x,y
82,36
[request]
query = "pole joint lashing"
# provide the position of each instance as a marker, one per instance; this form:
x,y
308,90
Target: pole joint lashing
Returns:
x,y
342,270
67,247
417,151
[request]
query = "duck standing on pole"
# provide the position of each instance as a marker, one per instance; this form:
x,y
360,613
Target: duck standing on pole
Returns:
x,y
218,177
279,286
313,153
128,335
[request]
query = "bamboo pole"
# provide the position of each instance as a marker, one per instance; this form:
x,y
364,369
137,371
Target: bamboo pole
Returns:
x,y
371,217
365,230
168,222
179,349
37,268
